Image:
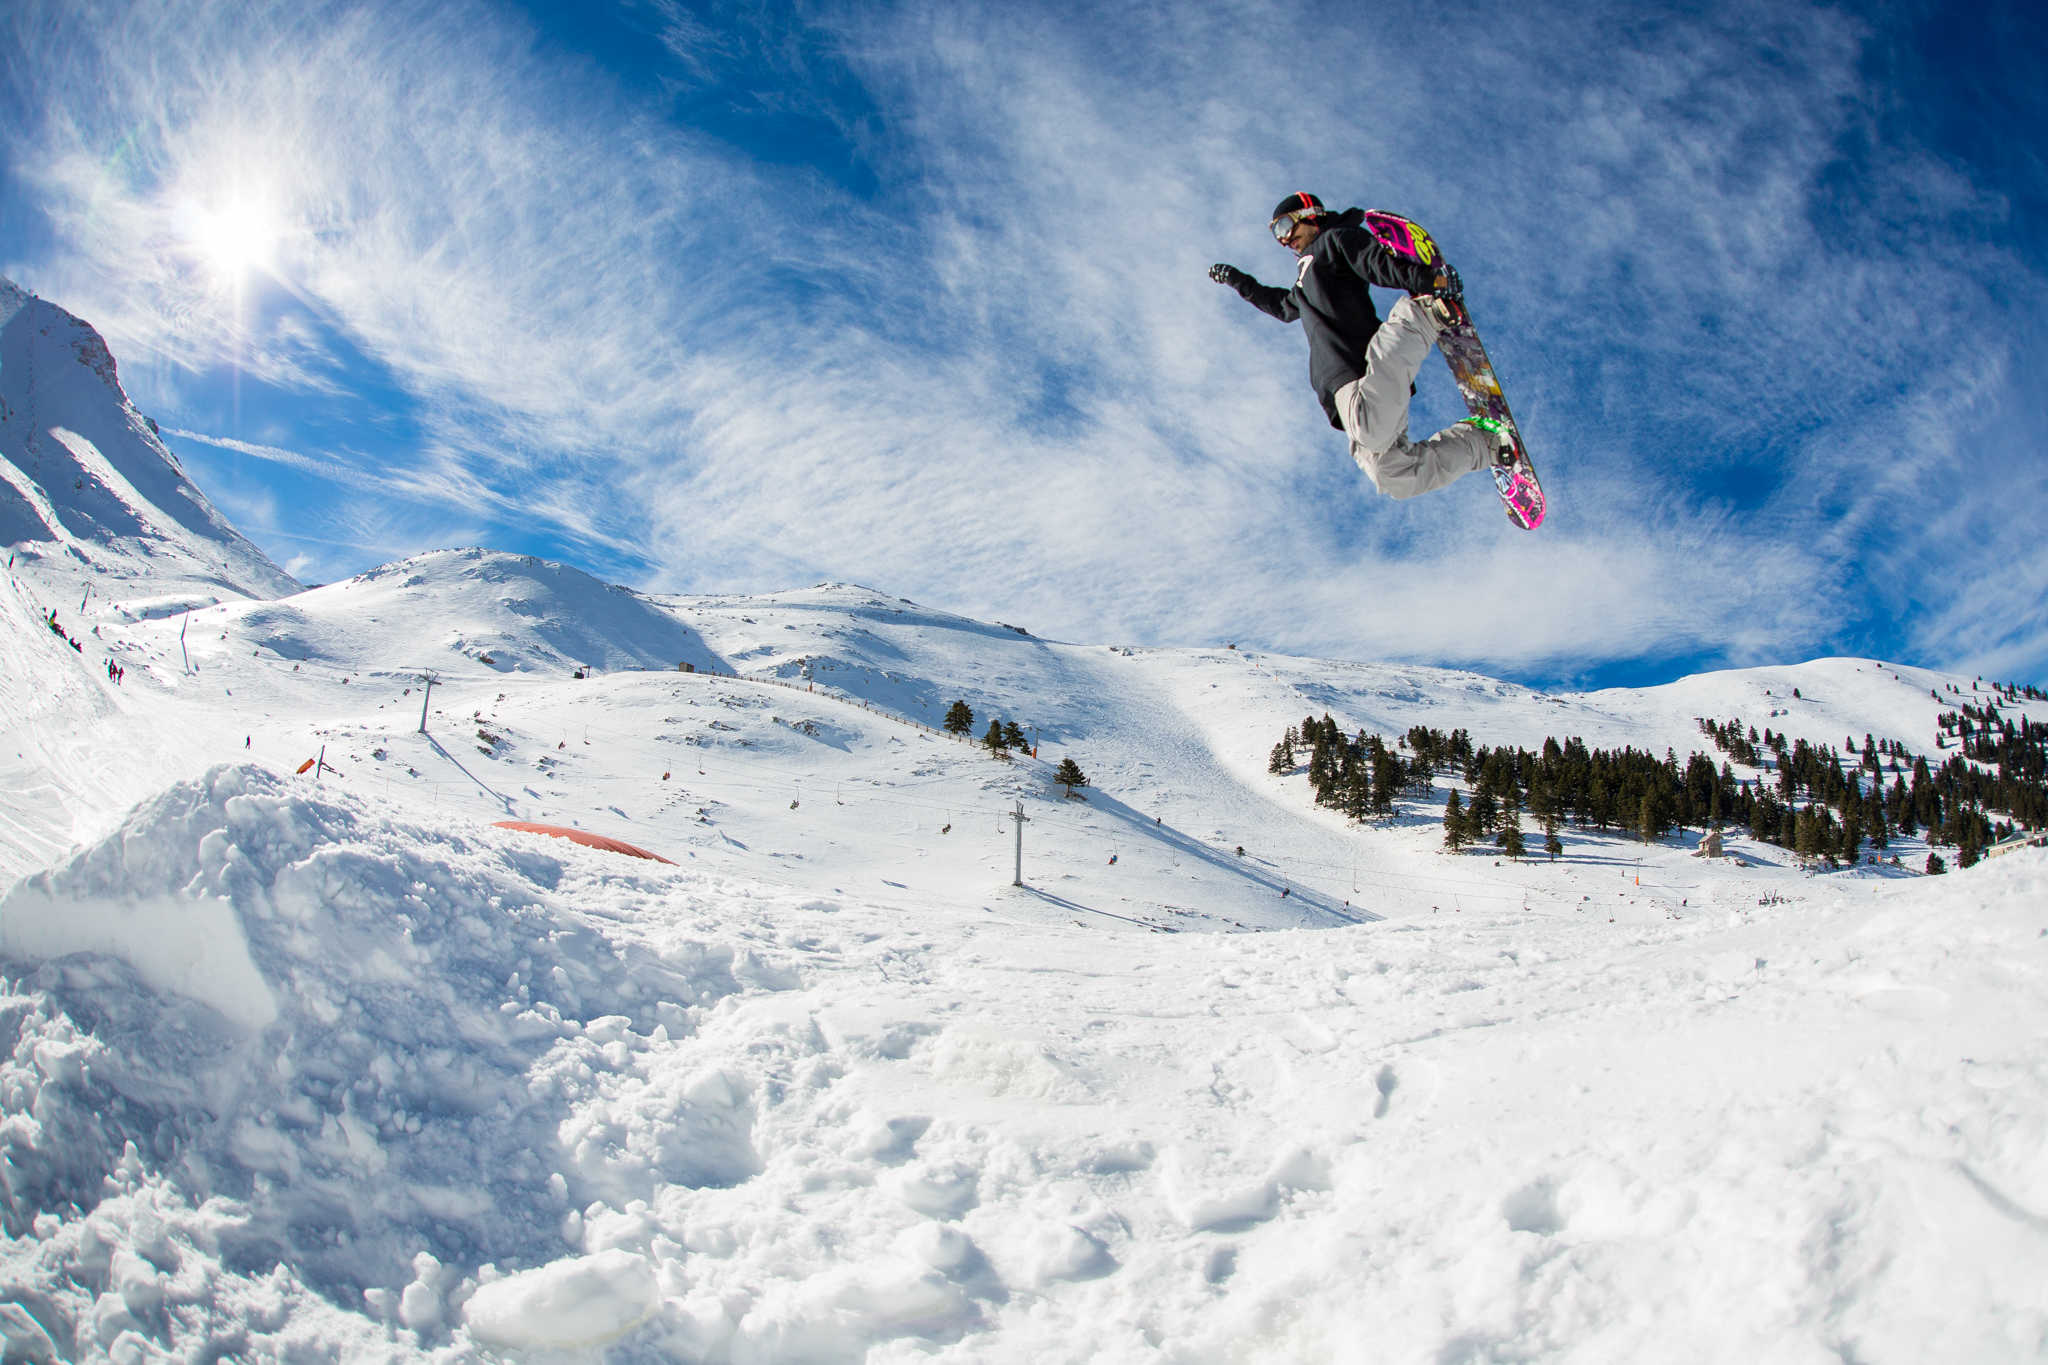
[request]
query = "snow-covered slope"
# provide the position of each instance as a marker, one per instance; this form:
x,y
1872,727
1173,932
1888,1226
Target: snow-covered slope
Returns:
x,y
469,1091
306,1057
88,493
511,614
324,1062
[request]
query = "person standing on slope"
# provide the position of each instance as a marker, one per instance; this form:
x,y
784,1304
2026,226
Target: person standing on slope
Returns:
x,y
1364,369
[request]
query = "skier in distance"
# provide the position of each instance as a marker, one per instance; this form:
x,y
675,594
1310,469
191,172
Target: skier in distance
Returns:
x,y
1362,369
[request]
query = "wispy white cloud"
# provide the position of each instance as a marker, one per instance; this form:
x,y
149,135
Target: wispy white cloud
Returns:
x,y
994,376
334,470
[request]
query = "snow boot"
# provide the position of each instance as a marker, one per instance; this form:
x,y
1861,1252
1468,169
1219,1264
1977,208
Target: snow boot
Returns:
x,y
1444,308
1501,441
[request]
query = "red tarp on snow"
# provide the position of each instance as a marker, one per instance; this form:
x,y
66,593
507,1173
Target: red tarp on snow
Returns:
x,y
585,837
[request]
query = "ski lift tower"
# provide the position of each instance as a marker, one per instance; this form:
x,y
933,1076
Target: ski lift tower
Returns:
x,y
427,680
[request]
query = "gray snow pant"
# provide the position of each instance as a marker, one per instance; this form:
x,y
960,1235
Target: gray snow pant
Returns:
x,y
1374,410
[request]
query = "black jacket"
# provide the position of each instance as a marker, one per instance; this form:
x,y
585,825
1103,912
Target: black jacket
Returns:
x,y
1332,301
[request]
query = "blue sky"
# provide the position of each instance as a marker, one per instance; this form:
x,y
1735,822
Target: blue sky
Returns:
x,y
736,297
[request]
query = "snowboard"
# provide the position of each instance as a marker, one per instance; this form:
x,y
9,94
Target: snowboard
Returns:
x,y
1471,371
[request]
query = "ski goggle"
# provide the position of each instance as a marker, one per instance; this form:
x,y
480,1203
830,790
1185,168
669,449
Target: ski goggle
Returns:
x,y
1287,222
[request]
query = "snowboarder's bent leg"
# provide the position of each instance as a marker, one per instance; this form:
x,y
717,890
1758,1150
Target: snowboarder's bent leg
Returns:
x,y
1412,468
1374,410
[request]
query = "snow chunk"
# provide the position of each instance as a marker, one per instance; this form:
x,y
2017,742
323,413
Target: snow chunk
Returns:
x,y
576,1302
164,904
189,948
23,1338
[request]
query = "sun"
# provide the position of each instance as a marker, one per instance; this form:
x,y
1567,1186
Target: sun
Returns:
x,y
235,238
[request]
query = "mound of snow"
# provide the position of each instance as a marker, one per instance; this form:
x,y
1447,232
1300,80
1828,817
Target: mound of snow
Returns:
x,y
369,1038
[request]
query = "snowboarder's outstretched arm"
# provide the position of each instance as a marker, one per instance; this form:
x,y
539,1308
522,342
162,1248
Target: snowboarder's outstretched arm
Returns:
x,y
1264,297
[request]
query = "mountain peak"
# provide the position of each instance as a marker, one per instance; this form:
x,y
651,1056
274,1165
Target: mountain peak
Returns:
x,y
62,329
88,490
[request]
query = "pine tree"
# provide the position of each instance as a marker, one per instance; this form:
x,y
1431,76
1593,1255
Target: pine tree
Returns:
x,y
1763,819
1322,769
1422,768
1454,822
1481,815
1388,777
1806,833
1070,776
1542,805
1970,847
1510,836
1282,760
1357,795
1545,808
997,745
959,719
1600,804
1013,736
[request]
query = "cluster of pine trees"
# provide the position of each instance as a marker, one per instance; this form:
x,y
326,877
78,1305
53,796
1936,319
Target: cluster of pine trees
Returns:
x,y
1002,735
1816,805
1365,779
2017,753
1361,777
2012,693
1887,790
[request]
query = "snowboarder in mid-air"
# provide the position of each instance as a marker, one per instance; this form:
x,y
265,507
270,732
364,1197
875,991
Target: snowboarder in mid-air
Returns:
x,y
1363,369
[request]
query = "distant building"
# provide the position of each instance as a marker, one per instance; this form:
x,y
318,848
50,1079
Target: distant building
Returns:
x,y
2035,840
1710,846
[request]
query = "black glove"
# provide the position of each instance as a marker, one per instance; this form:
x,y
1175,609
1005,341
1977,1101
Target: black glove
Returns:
x,y
1448,283
1230,275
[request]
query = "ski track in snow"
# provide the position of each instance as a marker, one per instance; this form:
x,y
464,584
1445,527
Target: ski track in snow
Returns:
x,y
322,1065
